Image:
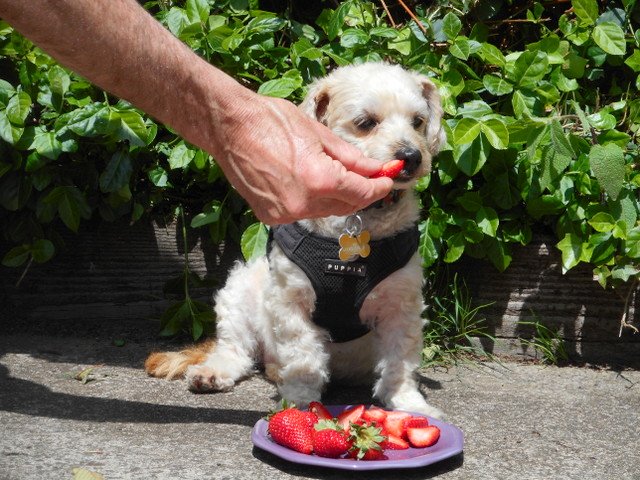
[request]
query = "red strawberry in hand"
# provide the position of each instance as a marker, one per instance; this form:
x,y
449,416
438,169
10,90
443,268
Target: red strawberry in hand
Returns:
x,y
390,169
291,428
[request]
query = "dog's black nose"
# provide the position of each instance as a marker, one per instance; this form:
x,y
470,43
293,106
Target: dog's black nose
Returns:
x,y
412,158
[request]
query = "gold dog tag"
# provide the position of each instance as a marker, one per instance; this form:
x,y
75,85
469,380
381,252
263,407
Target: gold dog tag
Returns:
x,y
354,242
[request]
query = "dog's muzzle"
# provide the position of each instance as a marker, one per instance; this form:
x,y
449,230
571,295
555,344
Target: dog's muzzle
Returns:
x,y
412,160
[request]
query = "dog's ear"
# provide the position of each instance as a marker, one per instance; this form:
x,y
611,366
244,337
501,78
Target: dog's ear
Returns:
x,y
316,102
435,133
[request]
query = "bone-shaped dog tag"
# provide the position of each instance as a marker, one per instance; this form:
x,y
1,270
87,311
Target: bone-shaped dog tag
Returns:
x,y
354,242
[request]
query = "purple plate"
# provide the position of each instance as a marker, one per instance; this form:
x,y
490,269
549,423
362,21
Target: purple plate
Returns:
x,y
450,443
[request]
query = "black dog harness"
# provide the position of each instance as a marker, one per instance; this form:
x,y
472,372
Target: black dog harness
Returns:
x,y
341,287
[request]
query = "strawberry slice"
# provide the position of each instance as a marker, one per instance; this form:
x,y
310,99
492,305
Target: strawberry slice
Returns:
x,y
349,416
390,169
422,437
394,423
375,414
414,422
320,410
394,443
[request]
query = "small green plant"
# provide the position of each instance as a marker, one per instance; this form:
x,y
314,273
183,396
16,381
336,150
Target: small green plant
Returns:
x,y
454,327
187,315
549,344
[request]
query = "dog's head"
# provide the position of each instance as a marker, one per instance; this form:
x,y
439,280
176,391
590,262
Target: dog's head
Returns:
x,y
386,111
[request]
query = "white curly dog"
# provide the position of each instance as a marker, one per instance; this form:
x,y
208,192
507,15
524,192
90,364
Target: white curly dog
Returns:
x,y
268,311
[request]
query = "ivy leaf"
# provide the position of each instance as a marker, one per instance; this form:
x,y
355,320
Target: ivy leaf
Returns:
x,y
210,214
471,157
427,247
610,38
70,204
254,241
492,55
461,48
466,131
571,248
496,85
607,165
181,156
18,108
197,10
279,87
487,219
586,11
455,247
9,132
451,25
602,222
132,128
16,256
42,250
529,68
337,20
117,173
496,132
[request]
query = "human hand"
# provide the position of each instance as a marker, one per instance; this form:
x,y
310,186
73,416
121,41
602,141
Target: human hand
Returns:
x,y
288,166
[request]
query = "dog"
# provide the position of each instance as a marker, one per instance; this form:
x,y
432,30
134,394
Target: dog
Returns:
x,y
269,309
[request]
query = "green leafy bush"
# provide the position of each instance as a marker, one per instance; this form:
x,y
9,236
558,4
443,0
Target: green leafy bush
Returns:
x,y
542,115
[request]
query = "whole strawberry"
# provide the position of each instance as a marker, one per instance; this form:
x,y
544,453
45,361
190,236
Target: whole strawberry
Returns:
x,y
291,428
366,442
330,440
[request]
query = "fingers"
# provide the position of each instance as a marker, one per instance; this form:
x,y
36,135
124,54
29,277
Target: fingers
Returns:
x,y
350,156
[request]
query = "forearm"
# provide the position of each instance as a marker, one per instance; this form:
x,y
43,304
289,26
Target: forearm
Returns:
x,y
158,73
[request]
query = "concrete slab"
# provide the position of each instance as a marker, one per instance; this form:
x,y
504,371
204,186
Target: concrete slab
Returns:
x,y
520,420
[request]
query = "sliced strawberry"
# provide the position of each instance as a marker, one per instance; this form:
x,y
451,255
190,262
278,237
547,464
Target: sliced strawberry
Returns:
x,y
414,422
394,423
375,414
320,410
390,169
394,443
421,437
351,415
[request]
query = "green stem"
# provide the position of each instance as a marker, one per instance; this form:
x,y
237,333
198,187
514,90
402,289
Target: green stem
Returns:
x,y
186,253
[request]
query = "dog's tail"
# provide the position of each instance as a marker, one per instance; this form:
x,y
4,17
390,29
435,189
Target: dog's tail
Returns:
x,y
173,365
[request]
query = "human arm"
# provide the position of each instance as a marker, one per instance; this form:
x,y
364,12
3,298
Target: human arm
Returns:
x,y
286,165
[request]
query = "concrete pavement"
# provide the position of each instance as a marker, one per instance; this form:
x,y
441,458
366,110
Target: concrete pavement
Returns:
x,y
521,421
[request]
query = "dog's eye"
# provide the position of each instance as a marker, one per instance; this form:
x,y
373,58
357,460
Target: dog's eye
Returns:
x,y
365,123
417,122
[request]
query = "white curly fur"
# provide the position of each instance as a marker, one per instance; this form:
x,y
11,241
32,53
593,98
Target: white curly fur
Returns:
x,y
264,311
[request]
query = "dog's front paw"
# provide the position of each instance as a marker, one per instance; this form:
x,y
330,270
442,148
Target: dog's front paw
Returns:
x,y
202,379
414,402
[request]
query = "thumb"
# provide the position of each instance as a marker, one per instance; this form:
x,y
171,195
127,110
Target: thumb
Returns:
x,y
350,156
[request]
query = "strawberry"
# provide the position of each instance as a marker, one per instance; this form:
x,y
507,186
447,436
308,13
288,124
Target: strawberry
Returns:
x,y
320,410
350,415
330,440
375,414
291,428
416,422
390,169
394,443
421,437
366,442
394,423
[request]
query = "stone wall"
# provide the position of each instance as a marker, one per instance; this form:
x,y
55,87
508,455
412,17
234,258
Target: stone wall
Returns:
x,y
110,276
